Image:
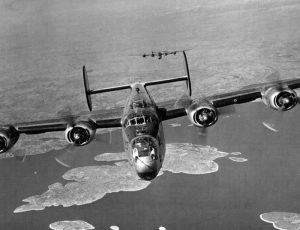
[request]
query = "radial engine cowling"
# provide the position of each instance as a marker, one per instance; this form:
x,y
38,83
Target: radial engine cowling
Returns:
x,y
202,113
80,134
280,99
8,137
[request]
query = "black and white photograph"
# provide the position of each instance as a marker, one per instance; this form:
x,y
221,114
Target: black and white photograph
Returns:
x,y
150,114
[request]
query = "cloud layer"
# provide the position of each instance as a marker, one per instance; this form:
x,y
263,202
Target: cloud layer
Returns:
x,y
238,159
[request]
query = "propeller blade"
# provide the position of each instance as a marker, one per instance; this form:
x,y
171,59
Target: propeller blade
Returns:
x,y
274,76
183,102
58,160
67,157
19,155
227,111
203,135
273,121
67,115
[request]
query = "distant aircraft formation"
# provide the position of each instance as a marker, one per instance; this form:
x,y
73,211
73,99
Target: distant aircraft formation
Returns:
x,y
160,54
141,118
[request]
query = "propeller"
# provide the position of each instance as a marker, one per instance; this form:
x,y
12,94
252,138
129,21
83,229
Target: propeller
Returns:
x,y
223,112
274,118
67,157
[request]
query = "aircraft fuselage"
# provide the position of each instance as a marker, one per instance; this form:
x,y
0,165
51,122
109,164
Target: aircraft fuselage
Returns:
x,y
143,133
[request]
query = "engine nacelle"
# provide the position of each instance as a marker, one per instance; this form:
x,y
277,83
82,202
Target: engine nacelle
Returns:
x,y
280,99
8,137
80,134
202,113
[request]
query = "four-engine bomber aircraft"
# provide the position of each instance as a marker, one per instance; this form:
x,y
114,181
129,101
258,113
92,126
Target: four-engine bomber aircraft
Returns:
x,y
141,118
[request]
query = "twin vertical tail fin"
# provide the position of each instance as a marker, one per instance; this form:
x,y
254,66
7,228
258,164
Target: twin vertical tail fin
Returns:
x,y
187,73
87,88
89,92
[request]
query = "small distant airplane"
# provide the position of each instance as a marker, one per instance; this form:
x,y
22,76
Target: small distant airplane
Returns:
x,y
160,54
141,118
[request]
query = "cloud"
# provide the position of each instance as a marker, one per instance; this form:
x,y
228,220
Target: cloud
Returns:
x,y
91,183
175,125
71,225
114,227
111,156
238,159
161,228
282,220
236,153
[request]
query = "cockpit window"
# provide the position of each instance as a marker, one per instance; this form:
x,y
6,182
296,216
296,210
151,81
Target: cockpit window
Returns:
x,y
147,119
140,120
144,146
132,121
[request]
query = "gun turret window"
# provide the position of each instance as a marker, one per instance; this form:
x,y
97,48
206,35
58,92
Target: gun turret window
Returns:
x,y
144,146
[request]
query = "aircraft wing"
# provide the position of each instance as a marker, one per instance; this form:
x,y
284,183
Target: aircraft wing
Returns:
x,y
177,108
100,119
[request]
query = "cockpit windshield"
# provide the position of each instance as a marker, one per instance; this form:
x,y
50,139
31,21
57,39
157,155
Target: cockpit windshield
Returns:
x,y
140,120
144,146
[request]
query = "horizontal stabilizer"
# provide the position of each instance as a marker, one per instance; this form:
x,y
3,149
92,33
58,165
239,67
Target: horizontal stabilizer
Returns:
x,y
170,80
104,90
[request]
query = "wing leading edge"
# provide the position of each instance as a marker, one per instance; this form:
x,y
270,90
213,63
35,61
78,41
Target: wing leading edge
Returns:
x,y
173,109
100,119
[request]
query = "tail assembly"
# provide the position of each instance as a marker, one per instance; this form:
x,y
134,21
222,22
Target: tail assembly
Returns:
x,y
89,92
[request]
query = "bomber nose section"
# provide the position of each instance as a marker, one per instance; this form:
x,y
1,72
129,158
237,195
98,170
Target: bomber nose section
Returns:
x,y
146,168
145,155
147,175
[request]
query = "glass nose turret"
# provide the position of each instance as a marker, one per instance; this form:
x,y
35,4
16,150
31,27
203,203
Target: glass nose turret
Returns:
x,y
146,168
145,156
